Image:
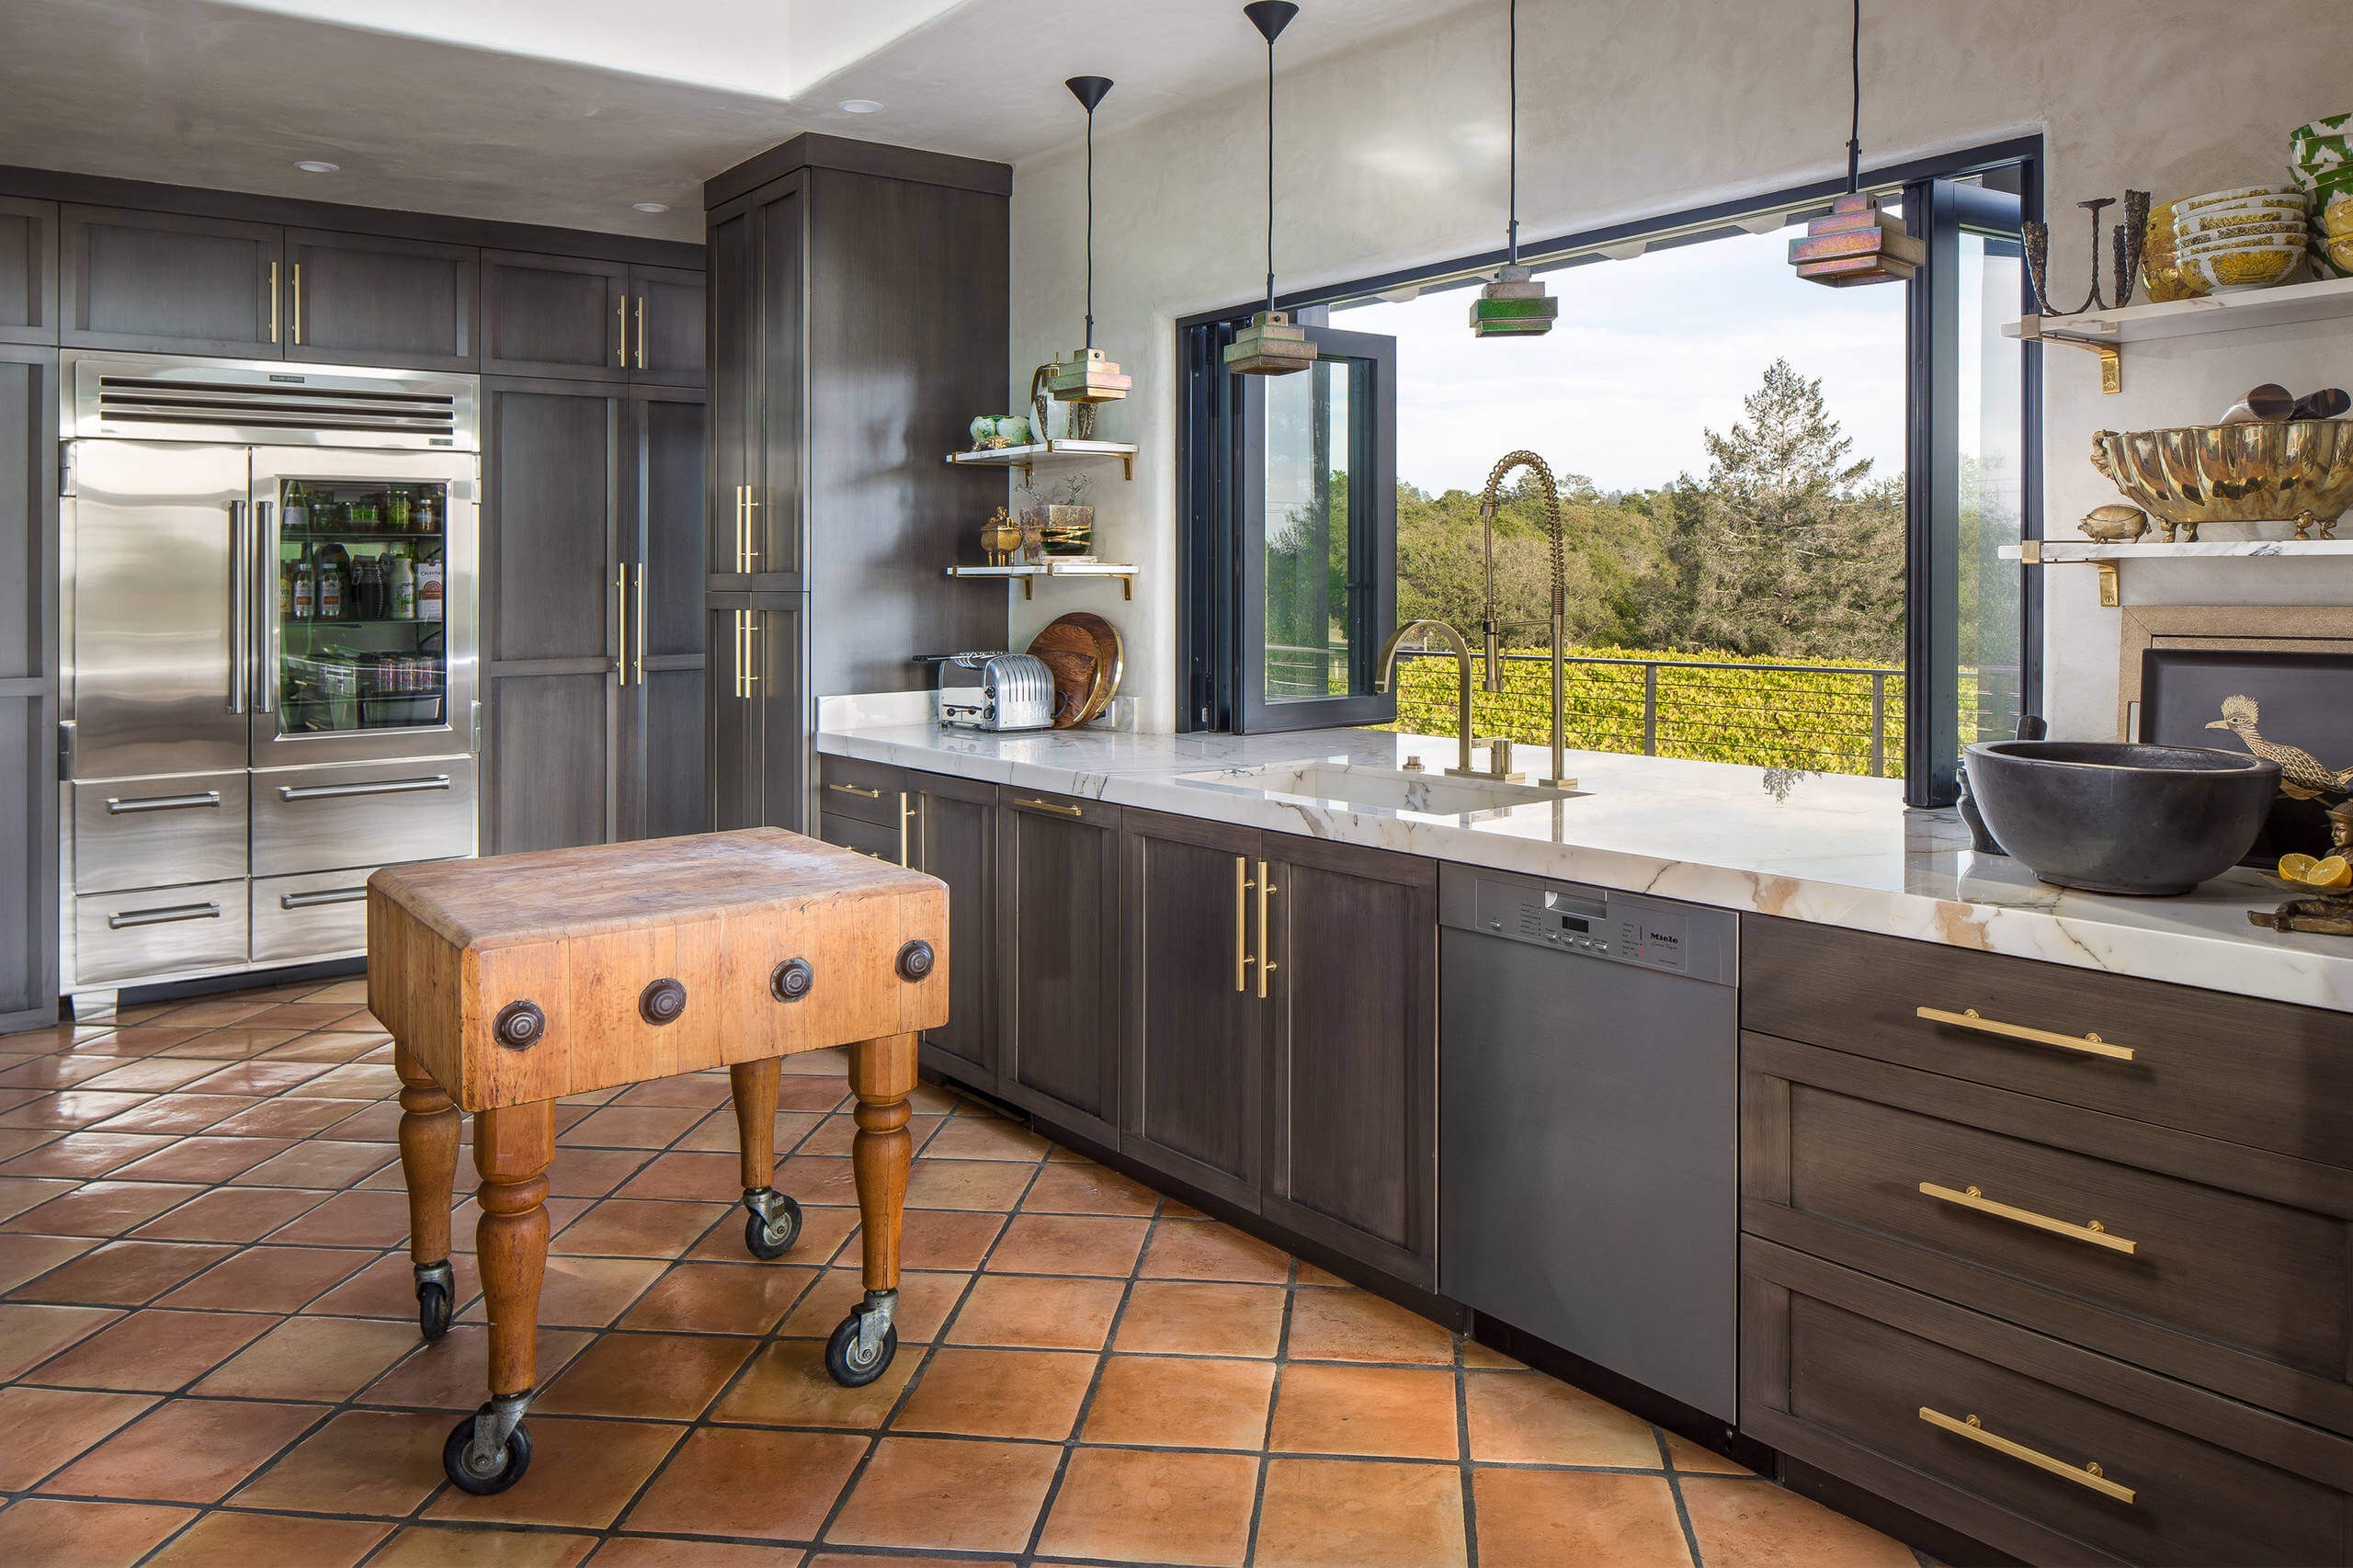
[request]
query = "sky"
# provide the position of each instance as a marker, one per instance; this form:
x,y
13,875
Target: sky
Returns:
x,y
1647,353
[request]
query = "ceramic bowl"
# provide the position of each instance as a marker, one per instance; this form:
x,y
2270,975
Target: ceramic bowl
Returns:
x,y
2333,217
2266,235
2230,219
2121,818
2240,193
2335,255
2234,271
2294,206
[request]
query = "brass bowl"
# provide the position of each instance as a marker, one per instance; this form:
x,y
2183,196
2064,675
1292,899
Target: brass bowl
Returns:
x,y
2234,473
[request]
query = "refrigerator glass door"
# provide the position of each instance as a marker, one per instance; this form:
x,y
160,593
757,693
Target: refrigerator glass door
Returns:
x,y
365,578
160,680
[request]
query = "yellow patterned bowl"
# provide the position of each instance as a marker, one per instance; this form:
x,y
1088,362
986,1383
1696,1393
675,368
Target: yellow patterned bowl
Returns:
x,y
2233,271
2159,276
2242,239
2336,218
2242,193
2338,248
2237,220
2234,473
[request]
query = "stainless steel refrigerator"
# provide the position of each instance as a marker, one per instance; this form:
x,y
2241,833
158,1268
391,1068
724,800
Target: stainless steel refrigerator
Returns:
x,y
269,617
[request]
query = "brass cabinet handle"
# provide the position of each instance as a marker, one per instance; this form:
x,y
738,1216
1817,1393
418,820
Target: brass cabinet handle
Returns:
x,y
1969,1018
621,612
640,332
2089,1475
1240,924
298,303
638,570
860,790
1049,806
906,814
751,505
620,309
750,677
2092,1230
273,302
1267,890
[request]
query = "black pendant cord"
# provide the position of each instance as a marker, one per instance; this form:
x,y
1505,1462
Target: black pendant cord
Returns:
x,y
1090,229
1270,177
1855,124
1511,232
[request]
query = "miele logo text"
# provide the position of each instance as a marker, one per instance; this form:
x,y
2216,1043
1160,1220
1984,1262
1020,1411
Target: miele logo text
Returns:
x,y
1672,941
298,380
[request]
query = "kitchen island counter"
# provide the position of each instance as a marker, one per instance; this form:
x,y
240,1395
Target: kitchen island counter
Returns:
x,y
1830,848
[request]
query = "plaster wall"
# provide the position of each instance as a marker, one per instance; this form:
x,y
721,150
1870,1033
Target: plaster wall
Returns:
x,y
1394,155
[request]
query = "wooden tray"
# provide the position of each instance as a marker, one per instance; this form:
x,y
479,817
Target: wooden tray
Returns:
x,y
1085,653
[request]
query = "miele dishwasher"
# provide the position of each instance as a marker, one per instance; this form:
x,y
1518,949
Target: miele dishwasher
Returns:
x,y
1588,1124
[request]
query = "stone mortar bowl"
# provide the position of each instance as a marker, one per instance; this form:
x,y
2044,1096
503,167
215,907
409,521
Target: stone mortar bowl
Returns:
x,y
2114,817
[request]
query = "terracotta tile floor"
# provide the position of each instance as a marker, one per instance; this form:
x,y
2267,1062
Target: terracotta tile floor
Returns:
x,y
208,1354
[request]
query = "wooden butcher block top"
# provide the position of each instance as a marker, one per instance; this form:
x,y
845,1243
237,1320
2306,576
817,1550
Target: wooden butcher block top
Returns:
x,y
461,953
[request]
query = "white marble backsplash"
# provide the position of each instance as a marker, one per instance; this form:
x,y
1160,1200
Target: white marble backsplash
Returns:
x,y
1826,848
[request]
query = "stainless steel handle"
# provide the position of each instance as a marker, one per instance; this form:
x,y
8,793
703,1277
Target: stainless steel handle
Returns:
x,y
638,570
265,570
298,305
346,791
165,917
117,807
241,609
324,895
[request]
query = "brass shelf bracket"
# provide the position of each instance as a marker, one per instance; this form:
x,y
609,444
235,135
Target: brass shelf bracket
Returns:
x,y
2031,329
2111,590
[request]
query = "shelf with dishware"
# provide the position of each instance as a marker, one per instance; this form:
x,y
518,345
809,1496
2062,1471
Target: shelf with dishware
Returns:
x,y
2291,304
1027,575
2107,557
1053,452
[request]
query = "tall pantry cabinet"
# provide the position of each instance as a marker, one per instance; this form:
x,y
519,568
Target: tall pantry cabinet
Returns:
x,y
858,321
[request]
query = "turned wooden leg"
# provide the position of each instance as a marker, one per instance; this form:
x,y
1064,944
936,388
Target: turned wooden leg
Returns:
x,y
512,1148
882,1075
429,1157
755,1088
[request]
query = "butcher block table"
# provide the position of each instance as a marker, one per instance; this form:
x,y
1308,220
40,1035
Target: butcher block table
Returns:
x,y
509,982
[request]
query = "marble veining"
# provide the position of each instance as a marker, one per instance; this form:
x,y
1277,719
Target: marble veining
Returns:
x,y
1826,847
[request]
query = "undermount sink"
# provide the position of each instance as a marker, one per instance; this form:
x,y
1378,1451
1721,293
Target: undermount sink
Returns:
x,y
1386,789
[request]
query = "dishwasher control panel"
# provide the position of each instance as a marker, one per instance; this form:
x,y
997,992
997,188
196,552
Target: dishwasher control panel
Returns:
x,y
1597,923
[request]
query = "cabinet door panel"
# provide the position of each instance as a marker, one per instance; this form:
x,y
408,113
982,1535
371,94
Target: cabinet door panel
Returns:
x,y
28,824
551,315
671,433
665,306
1352,1150
355,298
1190,906
161,283
734,257
549,767
955,839
1057,928
27,271
674,797
780,705
551,496
775,527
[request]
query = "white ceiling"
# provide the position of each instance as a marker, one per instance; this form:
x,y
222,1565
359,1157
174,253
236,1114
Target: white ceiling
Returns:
x,y
568,111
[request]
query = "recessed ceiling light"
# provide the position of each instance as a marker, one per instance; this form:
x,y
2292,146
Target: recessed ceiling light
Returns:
x,y
650,206
316,166
858,105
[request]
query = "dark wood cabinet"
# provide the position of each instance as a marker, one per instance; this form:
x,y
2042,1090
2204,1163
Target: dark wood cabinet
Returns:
x,y
364,300
954,836
757,729
29,826
758,275
27,271
1351,1096
162,282
1058,960
666,322
662,788
1194,1011
554,315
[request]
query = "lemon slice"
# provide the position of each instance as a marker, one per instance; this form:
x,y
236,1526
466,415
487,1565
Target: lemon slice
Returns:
x,y
2332,873
2296,867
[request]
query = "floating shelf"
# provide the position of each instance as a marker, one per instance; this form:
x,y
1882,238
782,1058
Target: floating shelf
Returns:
x,y
2108,557
1027,575
2103,331
1048,454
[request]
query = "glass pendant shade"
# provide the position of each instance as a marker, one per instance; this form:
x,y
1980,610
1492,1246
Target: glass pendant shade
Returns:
x,y
1856,244
1088,375
1270,344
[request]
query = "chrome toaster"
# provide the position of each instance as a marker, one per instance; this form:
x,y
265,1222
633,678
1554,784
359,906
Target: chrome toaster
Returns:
x,y
994,691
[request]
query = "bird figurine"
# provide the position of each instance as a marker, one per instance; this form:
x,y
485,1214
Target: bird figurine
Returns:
x,y
2301,775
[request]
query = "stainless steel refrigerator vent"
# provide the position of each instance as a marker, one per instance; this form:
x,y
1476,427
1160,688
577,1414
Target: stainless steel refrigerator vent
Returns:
x,y
225,400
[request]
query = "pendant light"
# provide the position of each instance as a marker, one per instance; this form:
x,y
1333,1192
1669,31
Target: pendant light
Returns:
x,y
1270,346
1087,375
1858,242
1514,304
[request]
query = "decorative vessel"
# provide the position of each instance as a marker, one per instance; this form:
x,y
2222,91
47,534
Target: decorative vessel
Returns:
x,y
2115,817
2238,270
2301,471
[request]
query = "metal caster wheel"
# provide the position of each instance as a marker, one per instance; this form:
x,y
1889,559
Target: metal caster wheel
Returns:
x,y
772,1226
854,1360
469,1470
432,1310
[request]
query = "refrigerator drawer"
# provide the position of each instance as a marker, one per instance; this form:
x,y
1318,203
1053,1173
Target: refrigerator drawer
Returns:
x,y
362,813
320,914
144,833
149,933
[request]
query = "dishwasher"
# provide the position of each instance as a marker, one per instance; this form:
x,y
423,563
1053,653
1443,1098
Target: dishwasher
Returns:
x,y
1588,1124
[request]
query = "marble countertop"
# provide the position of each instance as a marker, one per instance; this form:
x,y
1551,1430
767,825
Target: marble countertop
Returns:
x,y
1826,847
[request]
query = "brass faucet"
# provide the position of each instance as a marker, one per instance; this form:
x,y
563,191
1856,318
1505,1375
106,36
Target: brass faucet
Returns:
x,y
1462,684
1489,499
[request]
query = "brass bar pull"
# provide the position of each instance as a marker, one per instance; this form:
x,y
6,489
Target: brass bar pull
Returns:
x,y
907,815
1049,806
273,302
298,303
1240,924
640,332
620,616
1267,890
2092,1230
2089,1475
1969,1018
620,309
751,505
860,790
639,571
751,676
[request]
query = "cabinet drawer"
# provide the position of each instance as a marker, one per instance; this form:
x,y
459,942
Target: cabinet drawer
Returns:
x,y
320,914
318,819
144,833
866,837
2175,1270
867,790
2263,1073
1870,1381
151,932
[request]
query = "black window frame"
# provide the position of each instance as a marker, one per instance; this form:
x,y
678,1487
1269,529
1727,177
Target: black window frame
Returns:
x,y
1210,664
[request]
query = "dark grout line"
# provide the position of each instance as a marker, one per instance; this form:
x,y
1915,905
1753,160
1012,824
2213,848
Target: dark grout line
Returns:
x,y
1675,1489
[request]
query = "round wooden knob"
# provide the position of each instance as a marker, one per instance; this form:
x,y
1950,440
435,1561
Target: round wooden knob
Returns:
x,y
791,980
914,961
662,1002
519,1026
